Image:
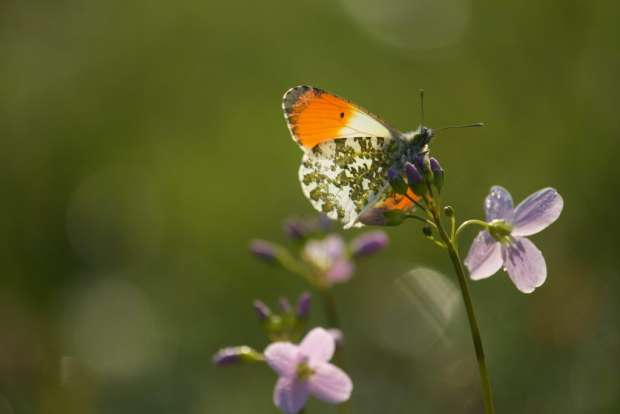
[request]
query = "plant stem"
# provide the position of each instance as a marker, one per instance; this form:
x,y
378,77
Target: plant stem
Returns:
x,y
333,321
469,223
469,306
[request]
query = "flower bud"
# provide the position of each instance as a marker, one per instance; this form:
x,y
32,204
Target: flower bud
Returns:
x,y
438,173
303,305
296,229
422,163
324,223
262,311
396,181
382,217
415,179
368,243
236,354
263,250
428,232
285,305
448,211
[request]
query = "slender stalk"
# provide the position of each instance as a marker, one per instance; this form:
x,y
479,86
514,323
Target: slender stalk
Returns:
x,y
333,321
422,219
329,307
469,223
469,306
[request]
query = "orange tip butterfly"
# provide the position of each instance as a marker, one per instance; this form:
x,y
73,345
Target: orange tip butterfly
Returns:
x,y
347,154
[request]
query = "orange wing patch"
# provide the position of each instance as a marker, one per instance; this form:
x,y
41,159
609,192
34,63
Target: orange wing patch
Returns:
x,y
399,201
315,116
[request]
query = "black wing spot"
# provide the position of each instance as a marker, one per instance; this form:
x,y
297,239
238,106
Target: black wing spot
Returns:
x,y
341,114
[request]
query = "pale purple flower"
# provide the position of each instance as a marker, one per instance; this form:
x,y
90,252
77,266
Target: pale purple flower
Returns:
x,y
368,243
504,243
305,370
330,257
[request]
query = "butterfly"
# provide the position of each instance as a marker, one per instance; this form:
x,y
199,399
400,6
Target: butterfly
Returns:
x,y
347,154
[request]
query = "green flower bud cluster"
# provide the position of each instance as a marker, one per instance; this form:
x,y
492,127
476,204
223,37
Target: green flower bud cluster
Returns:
x,y
288,324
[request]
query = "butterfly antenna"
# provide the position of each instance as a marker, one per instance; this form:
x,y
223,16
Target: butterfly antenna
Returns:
x,y
422,106
476,125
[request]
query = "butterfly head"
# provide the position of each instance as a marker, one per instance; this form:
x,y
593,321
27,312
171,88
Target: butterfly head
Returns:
x,y
419,138
422,136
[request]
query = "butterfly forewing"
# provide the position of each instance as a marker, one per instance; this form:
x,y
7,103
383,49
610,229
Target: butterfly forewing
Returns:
x,y
315,116
347,153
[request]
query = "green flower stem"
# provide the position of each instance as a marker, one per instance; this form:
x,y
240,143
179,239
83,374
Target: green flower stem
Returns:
x,y
417,204
421,219
288,262
469,223
451,245
333,321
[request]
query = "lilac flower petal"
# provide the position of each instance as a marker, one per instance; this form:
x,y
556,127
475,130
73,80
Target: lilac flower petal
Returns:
x,y
330,384
498,204
334,247
322,253
337,335
525,264
290,394
318,345
340,271
537,212
485,257
283,358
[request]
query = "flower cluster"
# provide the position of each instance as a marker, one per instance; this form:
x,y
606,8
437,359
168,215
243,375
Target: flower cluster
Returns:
x,y
324,258
289,323
302,369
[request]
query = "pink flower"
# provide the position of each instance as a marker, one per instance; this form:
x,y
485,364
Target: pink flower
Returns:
x,y
504,244
330,258
304,370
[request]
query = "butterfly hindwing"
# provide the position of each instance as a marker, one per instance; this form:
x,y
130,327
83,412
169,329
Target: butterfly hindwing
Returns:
x,y
315,116
342,177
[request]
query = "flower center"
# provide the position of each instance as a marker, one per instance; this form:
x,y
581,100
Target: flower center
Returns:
x,y
304,371
500,230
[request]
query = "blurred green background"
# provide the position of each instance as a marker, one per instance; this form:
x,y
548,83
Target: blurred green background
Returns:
x,y
143,145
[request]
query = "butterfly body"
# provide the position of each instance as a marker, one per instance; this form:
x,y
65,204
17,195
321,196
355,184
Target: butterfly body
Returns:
x,y
347,154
